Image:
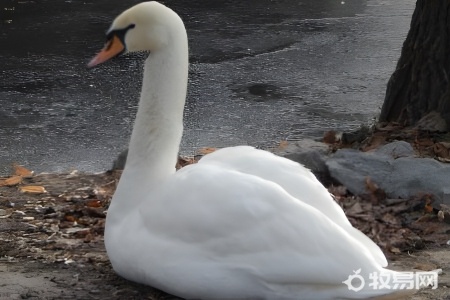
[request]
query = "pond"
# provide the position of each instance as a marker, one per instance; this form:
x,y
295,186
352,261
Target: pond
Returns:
x,y
261,71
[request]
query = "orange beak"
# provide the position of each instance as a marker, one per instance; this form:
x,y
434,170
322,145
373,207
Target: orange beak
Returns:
x,y
112,48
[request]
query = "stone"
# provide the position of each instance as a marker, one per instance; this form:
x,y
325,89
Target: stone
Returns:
x,y
397,149
400,177
310,153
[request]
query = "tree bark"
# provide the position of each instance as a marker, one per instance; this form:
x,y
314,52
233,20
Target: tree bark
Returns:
x,y
418,92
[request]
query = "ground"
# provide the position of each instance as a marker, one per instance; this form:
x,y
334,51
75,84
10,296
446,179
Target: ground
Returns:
x,y
51,242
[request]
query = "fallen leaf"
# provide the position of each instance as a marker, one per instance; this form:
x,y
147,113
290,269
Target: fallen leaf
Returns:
x,y
375,142
206,150
69,218
11,181
184,161
428,203
424,142
442,150
22,171
389,126
329,137
282,145
93,203
370,185
33,189
425,267
376,194
337,191
395,250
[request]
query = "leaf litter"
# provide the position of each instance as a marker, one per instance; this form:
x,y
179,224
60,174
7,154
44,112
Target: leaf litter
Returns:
x,y
60,218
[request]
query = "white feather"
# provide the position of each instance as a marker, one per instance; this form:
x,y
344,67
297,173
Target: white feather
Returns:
x,y
242,223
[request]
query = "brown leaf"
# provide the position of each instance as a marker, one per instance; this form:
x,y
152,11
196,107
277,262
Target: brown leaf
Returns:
x,y
428,203
442,150
93,203
424,142
376,194
370,185
329,137
11,181
425,267
184,161
389,126
33,189
282,145
206,150
337,191
394,250
375,141
22,171
70,218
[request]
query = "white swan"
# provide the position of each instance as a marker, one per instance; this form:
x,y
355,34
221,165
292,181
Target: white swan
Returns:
x,y
242,223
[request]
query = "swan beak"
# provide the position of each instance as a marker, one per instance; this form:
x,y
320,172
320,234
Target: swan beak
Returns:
x,y
112,48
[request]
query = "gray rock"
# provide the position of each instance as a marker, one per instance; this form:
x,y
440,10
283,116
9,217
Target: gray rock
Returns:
x,y
403,177
310,153
351,167
3,212
397,149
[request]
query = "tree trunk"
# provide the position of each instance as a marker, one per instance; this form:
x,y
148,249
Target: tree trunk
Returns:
x,y
418,92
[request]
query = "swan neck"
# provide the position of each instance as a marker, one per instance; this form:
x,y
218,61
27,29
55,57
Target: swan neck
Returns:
x,y
158,127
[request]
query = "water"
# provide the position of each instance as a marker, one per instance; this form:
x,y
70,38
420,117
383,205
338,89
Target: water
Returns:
x,y
261,71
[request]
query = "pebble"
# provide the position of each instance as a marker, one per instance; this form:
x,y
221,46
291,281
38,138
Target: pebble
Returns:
x,y
3,212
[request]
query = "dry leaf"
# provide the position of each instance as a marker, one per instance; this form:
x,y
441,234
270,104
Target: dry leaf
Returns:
x,y
395,250
329,137
11,181
375,142
184,161
70,218
22,171
206,150
389,126
444,160
370,185
428,203
33,189
442,150
424,142
376,194
93,203
283,145
425,267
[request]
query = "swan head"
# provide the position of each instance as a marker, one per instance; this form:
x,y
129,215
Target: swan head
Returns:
x,y
147,26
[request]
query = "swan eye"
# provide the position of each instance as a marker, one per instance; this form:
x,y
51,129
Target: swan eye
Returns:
x,y
120,33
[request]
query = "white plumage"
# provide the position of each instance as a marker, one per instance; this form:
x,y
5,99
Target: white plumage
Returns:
x,y
242,223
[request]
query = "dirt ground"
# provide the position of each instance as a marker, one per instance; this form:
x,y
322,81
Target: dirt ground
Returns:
x,y
51,243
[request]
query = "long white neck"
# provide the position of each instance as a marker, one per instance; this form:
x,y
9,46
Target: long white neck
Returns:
x,y
158,127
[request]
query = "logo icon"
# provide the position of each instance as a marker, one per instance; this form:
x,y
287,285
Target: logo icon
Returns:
x,y
349,281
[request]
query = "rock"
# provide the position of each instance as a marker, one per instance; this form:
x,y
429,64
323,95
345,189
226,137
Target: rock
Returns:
x,y
397,149
350,167
310,153
399,178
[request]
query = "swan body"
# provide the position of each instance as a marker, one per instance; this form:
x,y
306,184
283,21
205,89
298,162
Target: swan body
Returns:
x,y
242,223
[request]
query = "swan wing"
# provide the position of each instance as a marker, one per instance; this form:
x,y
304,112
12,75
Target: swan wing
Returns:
x,y
233,234
295,179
